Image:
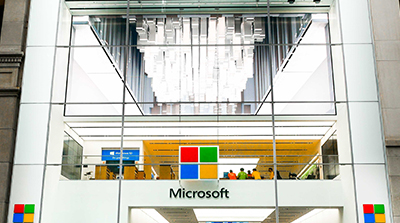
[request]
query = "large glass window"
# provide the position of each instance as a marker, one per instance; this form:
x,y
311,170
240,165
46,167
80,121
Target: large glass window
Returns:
x,y
203,64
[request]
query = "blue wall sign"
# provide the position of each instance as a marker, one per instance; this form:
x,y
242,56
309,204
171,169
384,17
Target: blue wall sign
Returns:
x,y
114,154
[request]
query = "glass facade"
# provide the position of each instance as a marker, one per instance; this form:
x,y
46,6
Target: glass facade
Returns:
x,y
144,93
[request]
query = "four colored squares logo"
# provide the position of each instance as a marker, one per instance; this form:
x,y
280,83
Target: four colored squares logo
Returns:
x,y
198,162
374,213
24,213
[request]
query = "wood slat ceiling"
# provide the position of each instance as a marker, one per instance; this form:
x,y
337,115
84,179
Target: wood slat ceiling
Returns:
x,y
293,154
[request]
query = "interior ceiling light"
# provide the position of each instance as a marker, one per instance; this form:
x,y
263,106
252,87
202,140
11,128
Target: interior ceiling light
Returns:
x,y
198,70
233,214
291,1
154,214
317,1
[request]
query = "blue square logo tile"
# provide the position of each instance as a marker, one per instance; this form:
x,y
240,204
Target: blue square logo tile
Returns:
x,y
189,172
18,218
369,218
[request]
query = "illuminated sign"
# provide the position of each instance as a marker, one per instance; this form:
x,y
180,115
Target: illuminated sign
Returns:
x,y
115,154
374,213
198,162
24,213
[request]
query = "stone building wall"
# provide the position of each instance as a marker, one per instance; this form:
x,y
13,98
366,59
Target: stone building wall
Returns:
x,y
12,47
385,16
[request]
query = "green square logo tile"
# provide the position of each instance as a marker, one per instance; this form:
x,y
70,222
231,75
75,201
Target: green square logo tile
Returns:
x,y
29,208
379,209
208,154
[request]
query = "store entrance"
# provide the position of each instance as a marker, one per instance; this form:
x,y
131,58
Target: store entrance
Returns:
x,y
233,215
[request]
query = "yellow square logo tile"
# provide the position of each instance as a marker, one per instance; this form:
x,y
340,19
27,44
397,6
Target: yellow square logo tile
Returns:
x,y
208,172
28,218
379,218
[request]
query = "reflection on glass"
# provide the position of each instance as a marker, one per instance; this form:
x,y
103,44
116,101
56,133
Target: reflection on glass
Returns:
x,y
305,108
330,156
101,109
72,159
177,108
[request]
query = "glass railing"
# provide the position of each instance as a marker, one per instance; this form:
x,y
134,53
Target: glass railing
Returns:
x,y
229,167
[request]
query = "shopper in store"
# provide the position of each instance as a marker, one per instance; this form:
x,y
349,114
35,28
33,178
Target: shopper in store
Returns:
x,y
249,175
278,175
271,173
256,175
232,175
242,175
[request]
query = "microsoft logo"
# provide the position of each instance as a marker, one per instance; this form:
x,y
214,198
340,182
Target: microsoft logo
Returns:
x,y
23,213
374,213
198,162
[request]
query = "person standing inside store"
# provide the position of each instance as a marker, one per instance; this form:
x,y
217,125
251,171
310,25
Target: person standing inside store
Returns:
x,y
249,176
242,175
256,175
271,173
232,175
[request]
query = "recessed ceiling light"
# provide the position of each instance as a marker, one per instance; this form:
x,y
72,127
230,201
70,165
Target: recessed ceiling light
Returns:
x,y
232,214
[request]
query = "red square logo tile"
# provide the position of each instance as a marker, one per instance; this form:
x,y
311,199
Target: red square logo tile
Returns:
x,y
368,208
19,208
189,154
